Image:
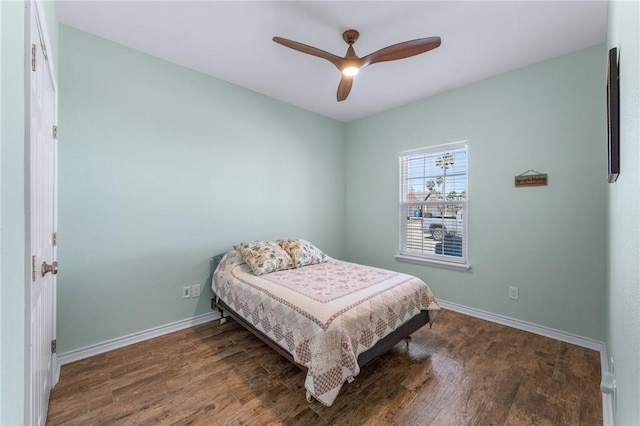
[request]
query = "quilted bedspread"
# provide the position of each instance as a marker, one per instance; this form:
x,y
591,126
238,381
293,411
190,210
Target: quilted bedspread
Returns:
x,y
324,315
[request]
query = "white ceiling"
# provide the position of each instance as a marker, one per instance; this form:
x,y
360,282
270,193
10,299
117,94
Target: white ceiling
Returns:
x,y
231,40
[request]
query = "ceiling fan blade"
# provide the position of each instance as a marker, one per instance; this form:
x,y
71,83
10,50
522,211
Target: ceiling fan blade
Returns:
x,y
402,50
344,87
300,47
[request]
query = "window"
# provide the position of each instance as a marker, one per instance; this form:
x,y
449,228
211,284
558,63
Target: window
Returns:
x,y
433,205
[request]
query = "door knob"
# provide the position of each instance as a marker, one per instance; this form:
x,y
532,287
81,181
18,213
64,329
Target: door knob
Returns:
x,y
53,268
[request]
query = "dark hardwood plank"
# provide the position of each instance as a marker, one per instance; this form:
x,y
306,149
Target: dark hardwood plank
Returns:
x,y
462,371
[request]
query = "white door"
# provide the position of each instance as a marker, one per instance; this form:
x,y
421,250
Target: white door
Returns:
x,y
42,159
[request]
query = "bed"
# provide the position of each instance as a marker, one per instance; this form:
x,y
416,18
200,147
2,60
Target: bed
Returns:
x,y
327,316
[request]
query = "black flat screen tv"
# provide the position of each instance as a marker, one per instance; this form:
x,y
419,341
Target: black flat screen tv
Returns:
x,y
613,116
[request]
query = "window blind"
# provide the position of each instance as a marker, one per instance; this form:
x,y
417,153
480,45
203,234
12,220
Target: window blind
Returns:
x,y
433,203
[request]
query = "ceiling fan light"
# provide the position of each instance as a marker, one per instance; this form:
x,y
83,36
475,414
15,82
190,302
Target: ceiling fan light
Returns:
x,y
350,71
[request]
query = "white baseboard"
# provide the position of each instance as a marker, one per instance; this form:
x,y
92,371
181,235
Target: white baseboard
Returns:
x,y
525,326
607,400
56,370
607,407
109,345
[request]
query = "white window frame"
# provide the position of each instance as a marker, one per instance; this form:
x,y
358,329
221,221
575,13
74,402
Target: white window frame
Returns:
x,y
432,259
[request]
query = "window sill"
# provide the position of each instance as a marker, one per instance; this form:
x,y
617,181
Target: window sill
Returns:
x,y
431,262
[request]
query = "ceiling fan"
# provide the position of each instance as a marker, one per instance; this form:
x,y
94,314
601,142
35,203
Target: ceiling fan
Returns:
x,y
351,64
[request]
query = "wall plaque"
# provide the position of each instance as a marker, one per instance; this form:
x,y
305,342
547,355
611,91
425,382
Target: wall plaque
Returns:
x,y
531,178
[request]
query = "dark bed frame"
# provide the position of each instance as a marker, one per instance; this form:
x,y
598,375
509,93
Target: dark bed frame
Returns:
x,y
383,345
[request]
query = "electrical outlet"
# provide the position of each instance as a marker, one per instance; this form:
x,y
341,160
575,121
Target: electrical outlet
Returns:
x,y
195,290
186,292
513,292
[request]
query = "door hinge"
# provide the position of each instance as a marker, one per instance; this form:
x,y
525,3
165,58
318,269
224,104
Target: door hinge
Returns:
x,y
54,238
55,132
54,346
33,57
33,268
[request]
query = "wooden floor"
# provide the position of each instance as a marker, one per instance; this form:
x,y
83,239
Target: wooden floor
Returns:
x,y
463,371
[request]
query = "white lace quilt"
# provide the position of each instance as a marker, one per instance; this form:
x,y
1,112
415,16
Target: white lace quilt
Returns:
x,y
324,315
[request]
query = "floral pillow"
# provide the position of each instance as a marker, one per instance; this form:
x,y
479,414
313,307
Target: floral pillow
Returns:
x,y
264,256
302,252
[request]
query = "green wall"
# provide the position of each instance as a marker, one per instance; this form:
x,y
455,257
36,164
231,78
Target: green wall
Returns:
x,y
2,319
549,241
12,216
161,168
623,341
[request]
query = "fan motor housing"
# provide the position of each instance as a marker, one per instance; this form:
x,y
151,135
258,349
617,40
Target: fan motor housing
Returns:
x,y
350,36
